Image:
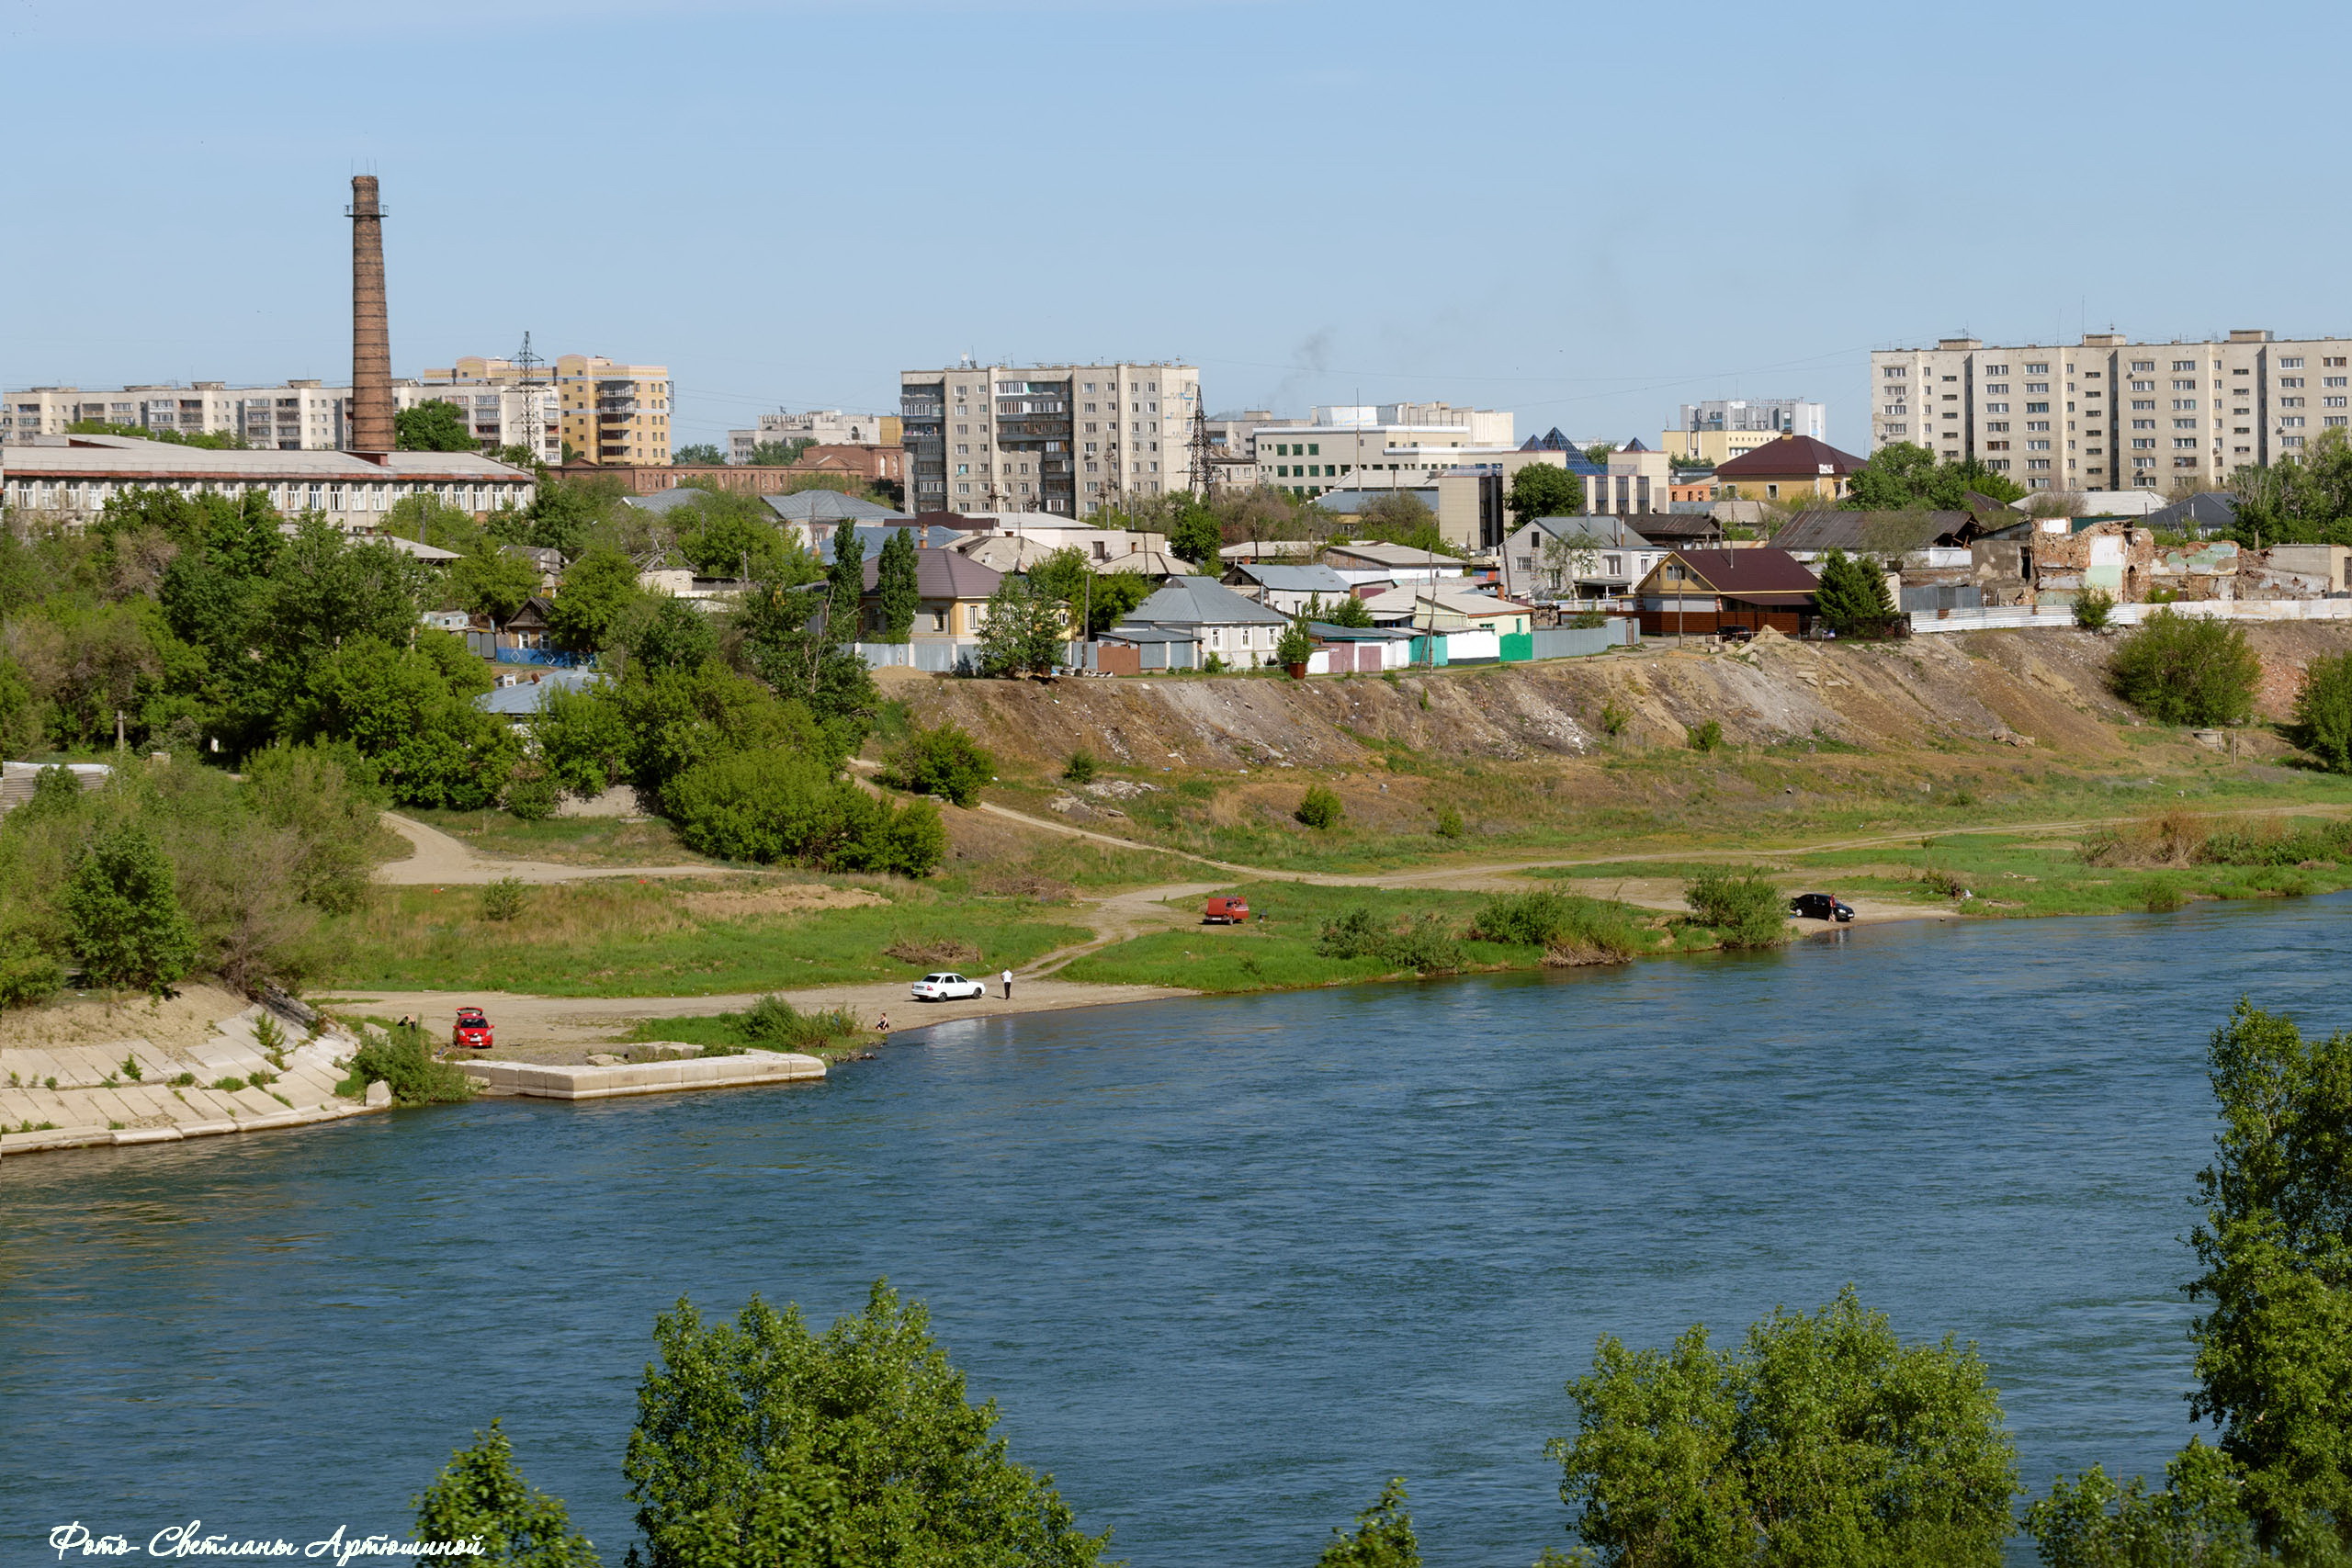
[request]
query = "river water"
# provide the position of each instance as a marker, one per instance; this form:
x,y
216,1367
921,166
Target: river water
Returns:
x,y
1225,1263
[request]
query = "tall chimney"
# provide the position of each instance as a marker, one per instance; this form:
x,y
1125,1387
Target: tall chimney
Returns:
x,y
372,429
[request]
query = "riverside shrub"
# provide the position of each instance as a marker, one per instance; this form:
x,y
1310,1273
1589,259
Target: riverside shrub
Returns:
x,y
1571,929
1743,906
398,1056
2189,669
125,924
480,1493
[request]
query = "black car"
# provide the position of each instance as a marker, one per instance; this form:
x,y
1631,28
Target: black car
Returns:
x,y
1820,907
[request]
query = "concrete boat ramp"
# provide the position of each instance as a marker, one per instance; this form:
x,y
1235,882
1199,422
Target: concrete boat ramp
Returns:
x,y
613,1080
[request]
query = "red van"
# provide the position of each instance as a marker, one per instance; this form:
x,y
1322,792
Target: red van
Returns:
x,y
1226,912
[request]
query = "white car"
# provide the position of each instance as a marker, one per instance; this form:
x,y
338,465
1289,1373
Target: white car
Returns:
x,y
947,988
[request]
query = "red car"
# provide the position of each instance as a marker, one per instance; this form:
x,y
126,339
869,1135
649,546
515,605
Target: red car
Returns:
x,y
1226,912
472,1032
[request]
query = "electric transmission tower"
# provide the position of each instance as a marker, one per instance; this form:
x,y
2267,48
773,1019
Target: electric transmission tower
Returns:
x,y
528,379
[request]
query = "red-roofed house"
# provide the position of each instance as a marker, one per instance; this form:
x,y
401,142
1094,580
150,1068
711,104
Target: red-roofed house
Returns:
x,y
1699,592
1792,466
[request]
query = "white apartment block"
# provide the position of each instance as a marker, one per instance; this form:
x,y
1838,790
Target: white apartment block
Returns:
x,y
1060,438
1358,441
293,416
500,417
2108,413
826,427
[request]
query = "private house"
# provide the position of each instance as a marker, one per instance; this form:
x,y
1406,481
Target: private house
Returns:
x,y
1225,625
1111,551
1575,557
1362,562
1699,592
952,593
1443,608
548,562
1289,588
1935,560
522,638
1137,650
1366,650
810,516
518,698
1786,470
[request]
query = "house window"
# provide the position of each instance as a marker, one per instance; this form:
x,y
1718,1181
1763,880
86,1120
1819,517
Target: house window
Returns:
x,y
1772,491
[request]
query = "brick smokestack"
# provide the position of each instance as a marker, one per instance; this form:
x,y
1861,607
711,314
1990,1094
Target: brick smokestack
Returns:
x,y
372,428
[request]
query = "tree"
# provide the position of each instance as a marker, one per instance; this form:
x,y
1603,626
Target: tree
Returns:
x,y
761,1443
1296,645
1539,490
1569,557
897,595
2274,1348
2187,670
1741,903
1823,1441
1195,534
1384,1537
674,636
943,762
599,590
2300,499
436,426
2196,1521
1401,517
2323,711
486,580
1347,610
780,454
699,455
1852,596
123,918
1097,599
1904,476
846,583
480,1493
410,712
779,805
1025,630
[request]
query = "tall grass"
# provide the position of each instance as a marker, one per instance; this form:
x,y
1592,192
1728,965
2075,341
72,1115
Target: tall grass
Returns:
x,y
1570,930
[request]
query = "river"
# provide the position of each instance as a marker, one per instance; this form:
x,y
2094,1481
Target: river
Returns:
x,y
1227,1264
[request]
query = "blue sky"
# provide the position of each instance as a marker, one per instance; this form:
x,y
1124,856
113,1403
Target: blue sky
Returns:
x,y
1587,214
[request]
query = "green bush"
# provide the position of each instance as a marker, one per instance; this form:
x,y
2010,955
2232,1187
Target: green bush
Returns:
x,y
1741,904
1706,737
1296,645
766,806
1424,945
480,1493
125,922
2323,711
502,899
943,762
1320,808
1449,823
398,1058
2189,669
777,1025
2094,608
1081,767
1569,929
531,792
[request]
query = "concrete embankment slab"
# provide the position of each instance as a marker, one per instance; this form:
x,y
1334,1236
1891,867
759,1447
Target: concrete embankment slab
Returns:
x,y
539,1080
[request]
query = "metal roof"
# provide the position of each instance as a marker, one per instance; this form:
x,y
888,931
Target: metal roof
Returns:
x,y
1599,528
126,458
526,697
826,506
1875,532
1791,456
1293,579
943,574
1749,573
1201,601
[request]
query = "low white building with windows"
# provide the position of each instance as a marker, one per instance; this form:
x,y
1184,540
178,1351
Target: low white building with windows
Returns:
x,y
1576,557
69,479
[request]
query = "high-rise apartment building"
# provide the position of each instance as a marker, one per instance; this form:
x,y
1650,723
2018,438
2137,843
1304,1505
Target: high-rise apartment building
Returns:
x,y
1724,428
2107,413
607,412
293,416
823,427
1063,439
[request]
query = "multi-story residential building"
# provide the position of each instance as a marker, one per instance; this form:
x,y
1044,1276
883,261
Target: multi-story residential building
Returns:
x,y
1721,429
1357,442
292,416
607,412
824,427
2108,413
1233,446
1063,439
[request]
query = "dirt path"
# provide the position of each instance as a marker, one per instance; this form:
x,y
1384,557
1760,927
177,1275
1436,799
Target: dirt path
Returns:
x,y
441,861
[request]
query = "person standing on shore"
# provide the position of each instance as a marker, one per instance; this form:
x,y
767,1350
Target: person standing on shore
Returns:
x,y
1007,979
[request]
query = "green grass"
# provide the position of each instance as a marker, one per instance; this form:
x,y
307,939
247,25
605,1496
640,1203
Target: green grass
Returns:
x,y
1276,950
568,840
2016,875
693,937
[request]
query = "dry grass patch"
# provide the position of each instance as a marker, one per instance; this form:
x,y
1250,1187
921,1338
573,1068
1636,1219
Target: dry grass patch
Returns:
x,y
933,954
742,903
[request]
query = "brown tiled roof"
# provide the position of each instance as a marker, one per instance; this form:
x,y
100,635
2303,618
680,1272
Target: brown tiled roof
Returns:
x,y
1792,456
1761,571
